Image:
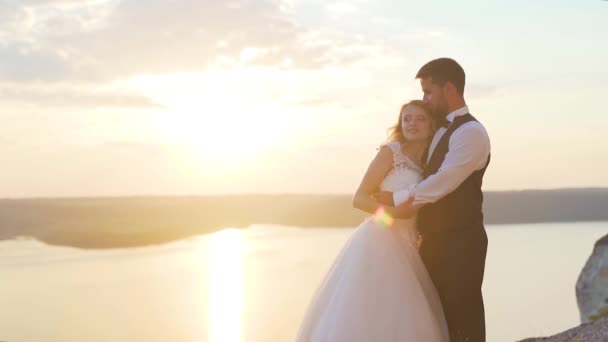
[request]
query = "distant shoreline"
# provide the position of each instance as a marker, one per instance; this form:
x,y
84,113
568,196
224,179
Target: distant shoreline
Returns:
x,y
286,194
107,222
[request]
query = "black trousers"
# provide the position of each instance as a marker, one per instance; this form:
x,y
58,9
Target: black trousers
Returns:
x,y
456,262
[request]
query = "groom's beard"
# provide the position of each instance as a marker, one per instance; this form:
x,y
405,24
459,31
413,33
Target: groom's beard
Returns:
x,y
441,111
439,115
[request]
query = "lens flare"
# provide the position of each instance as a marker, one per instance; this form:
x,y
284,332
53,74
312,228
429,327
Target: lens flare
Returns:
x,y
384,218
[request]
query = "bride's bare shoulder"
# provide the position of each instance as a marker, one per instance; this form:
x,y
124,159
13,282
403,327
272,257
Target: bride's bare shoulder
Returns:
x,y
385,152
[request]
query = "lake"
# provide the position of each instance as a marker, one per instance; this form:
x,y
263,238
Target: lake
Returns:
x,y
254,284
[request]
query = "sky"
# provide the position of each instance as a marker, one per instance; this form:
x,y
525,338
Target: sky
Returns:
x,y
198,97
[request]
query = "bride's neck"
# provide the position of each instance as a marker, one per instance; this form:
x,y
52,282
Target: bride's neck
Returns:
x,y
415,149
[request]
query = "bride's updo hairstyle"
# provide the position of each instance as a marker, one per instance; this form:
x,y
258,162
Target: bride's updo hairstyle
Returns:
x,y
395,133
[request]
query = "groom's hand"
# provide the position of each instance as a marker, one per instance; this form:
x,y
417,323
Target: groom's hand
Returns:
x,y
384,197
405,210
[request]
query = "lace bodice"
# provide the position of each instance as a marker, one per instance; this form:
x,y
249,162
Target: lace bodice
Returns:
x,y
404,173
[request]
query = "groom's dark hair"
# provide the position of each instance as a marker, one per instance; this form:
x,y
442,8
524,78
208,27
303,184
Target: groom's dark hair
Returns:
x,y
444,70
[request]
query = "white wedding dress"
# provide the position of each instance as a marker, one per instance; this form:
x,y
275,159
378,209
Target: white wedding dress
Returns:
x,y
378,288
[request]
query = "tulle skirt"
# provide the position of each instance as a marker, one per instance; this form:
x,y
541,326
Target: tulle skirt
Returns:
x,y
376,290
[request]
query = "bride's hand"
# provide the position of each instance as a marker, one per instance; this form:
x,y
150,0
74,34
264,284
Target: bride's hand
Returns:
x,y
384,197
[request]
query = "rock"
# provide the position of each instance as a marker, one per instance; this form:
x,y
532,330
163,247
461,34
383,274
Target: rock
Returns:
x,y
596,331
592,284
592,297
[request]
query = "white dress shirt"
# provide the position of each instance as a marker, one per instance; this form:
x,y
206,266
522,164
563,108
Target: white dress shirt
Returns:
x,y
469,150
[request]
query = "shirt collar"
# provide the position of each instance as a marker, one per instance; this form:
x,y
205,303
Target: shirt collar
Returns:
x,y
458,112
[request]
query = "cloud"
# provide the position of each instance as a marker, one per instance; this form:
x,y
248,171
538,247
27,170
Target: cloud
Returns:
x,y
108,40
20,62
479,90
68,97
338,9
97,42
133,148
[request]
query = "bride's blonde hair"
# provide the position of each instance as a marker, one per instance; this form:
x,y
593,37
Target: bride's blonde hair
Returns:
x,y
395,133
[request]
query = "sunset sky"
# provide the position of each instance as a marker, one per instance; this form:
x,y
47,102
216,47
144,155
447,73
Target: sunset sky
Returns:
x,y
132,97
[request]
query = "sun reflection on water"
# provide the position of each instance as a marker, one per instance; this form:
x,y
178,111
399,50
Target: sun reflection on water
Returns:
x,y
225,286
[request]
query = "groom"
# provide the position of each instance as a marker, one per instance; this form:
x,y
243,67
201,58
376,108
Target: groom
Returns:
x,y
449,201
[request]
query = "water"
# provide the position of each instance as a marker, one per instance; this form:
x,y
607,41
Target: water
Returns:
x,y
254,285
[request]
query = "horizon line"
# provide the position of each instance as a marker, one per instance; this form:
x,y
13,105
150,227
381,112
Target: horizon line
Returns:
x,y
167,195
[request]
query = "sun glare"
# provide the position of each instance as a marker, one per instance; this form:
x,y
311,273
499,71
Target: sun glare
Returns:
x,y
221,129
218,117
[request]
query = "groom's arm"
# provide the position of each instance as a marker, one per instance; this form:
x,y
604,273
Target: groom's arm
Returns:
x,y
469,149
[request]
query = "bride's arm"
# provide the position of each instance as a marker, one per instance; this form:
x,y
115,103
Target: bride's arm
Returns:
x,y
377,170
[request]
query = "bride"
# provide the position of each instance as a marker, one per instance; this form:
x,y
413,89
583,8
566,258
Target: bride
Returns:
x,y
378,288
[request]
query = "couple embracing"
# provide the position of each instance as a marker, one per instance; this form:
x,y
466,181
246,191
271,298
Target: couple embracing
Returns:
x,y
413,271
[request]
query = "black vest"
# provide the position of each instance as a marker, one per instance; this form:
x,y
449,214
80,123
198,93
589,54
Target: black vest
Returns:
x,y
462,208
